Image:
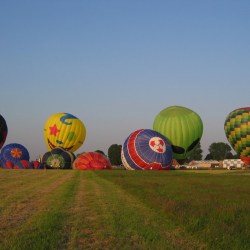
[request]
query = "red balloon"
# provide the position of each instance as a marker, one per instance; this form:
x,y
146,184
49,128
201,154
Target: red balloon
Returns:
x,y
245,159
91,161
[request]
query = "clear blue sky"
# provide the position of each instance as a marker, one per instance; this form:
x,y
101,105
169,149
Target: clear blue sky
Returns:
x,y
116,64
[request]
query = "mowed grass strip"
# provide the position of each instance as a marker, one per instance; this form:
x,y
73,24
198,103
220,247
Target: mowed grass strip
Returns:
x,y
211,208
41,227
89,221
106,216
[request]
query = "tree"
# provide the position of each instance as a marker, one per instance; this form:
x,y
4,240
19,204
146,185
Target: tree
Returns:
x,y
114,154
219,150
196,154
208,157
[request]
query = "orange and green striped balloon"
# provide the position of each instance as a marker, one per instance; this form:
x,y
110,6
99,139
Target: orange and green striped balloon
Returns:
x,y
237,130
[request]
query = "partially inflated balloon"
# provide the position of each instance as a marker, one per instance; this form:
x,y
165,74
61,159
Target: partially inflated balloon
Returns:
x,y
91,161
37,164
3,131
64,130
23,164
237,130
58,158
182,126
14,152
146,149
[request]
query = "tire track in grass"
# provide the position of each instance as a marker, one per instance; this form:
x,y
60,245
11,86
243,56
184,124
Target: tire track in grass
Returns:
x,y
88,227
19,227
107,217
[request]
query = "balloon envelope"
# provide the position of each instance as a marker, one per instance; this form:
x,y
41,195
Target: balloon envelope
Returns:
x,y
91,161
237,130
58,158
14,152
37,165
64,130
182,126
3,131
14,155
146,149
22,164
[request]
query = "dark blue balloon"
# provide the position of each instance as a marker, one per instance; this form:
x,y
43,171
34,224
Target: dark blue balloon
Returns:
x,y
14,153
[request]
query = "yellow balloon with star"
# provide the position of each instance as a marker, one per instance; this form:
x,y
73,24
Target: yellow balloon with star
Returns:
x,y
64,130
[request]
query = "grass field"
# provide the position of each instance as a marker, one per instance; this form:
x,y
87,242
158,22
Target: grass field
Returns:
x,y
124,210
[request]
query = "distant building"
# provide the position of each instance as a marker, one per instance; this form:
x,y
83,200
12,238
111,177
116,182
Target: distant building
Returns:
x,y
204,164
233,164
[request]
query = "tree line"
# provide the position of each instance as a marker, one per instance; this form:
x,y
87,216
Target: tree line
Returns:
x,y
217,151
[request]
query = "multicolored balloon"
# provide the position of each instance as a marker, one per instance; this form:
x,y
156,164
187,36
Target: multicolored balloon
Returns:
x,y
182,126
7,165
14,152
37,164
2,163
237,130
146,149
64,130
3,131
91,161
22,164
58,158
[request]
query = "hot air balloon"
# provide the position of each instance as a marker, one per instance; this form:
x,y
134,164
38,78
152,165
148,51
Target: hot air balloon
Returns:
x,y
14,152
7,165
64,130
58,158
37,164
14,155
3,131
22,164
182,126
2,163
237,130
91,161
146,149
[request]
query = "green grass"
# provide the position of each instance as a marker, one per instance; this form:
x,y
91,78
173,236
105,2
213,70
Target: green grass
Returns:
x,y
213,209
123,210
